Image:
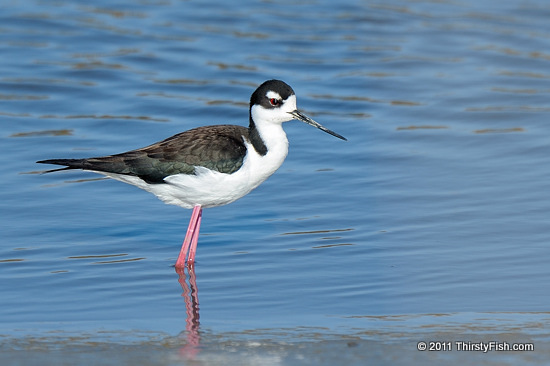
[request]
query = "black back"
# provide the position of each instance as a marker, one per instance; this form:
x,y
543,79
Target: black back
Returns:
x,y
220,148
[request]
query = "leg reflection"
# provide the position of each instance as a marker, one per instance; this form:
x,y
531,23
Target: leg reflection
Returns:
x,y
192,324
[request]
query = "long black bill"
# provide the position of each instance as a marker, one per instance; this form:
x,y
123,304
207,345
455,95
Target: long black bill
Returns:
x,y
302,117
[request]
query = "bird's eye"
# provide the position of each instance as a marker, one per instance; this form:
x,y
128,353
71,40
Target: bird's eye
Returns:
x,y
274,102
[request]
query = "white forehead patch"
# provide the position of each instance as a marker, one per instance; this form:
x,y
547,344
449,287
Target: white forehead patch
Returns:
x,y
290,103
271,94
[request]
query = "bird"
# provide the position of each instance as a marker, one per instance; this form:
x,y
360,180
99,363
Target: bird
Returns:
x,y
207,166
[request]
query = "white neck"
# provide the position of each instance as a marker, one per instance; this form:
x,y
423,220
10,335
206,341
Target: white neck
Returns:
x,y
276,142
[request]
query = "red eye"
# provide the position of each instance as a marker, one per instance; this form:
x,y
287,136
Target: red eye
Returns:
x,y
274,102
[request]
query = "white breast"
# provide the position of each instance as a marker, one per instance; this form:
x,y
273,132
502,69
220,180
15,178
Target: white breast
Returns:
x,y
211,188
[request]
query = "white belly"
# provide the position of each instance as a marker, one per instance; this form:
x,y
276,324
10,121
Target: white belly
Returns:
x,y
211,188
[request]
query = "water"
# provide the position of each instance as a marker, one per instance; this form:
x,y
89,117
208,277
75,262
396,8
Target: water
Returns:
x,y
430,223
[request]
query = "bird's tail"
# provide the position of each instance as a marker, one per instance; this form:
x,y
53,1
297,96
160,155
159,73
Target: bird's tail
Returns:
x,y
69,164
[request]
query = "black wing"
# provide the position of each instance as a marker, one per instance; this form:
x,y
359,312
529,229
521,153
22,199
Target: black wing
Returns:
x,y
220,148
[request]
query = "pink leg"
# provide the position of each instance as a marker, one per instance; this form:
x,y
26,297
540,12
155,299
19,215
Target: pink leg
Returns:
x,y
191,238
193,248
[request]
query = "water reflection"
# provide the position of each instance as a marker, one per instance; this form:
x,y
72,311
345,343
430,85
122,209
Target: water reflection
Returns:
x,y
192,324
61,132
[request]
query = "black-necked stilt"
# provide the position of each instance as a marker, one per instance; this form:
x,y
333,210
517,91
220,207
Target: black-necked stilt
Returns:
x,y
208,166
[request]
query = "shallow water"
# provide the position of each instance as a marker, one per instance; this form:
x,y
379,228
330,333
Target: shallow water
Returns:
x,y
430,223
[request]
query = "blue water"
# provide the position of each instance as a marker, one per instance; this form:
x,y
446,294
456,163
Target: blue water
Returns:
x,y
430,222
